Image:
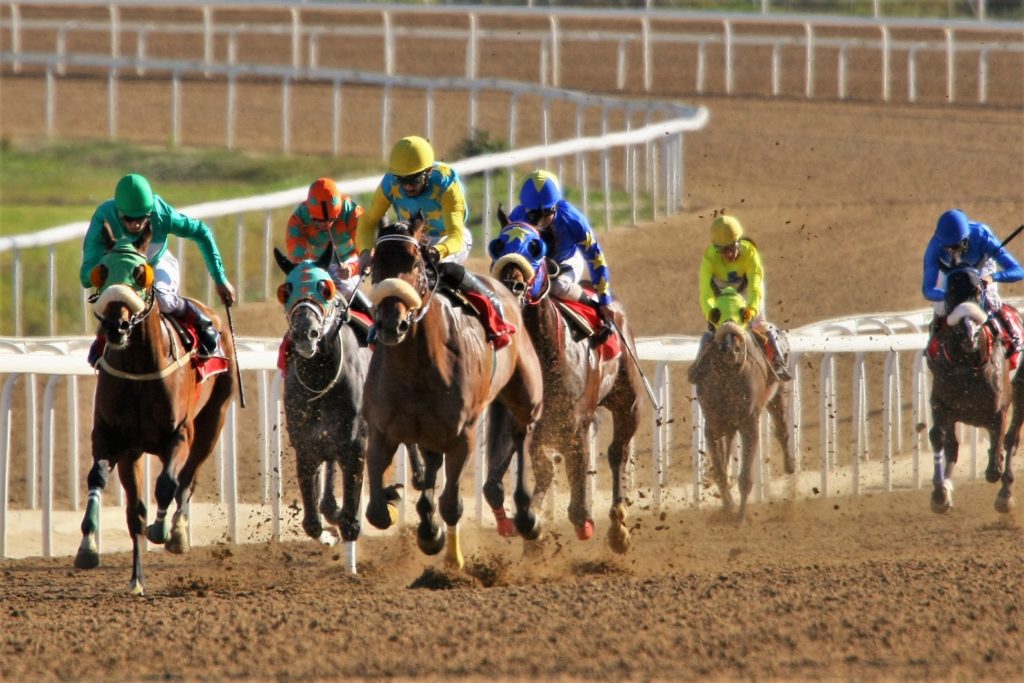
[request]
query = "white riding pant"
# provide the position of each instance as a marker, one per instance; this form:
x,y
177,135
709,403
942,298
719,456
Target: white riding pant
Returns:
x,y
460,256
565,285
166,283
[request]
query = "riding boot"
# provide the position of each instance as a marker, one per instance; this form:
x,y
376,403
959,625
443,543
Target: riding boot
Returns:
x,y
778,358
471,283
696,371
1013,341
361,303
209,337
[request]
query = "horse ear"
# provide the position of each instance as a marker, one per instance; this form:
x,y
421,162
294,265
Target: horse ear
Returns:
x,y
282,261
502,216
108,235
325,258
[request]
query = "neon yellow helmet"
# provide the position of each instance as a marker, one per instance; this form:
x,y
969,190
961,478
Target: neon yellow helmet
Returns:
x,y
133,196
410,155
725,230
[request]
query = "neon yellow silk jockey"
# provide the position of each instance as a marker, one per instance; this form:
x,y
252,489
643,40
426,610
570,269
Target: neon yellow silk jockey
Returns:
x,y
734,261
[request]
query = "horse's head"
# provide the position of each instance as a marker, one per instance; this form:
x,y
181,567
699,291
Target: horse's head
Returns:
x,y
963,284
965,326
308,299
399,278
123,283
728,317
518,259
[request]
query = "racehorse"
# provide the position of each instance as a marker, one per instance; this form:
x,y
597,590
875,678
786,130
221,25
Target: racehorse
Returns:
x,y
971,384
578,379
431,376
733,394
149,399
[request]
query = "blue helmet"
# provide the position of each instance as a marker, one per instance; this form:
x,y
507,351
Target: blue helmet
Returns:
x,y
952,228
540,191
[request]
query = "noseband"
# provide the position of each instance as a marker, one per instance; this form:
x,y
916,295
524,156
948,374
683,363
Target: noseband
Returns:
x,y
422,287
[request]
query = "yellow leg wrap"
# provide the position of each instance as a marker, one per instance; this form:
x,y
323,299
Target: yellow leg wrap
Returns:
x,y
453,549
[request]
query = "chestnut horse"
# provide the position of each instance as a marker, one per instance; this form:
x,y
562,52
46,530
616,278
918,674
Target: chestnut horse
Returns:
x,y
577,380
432,375
971,384
734,393
149,399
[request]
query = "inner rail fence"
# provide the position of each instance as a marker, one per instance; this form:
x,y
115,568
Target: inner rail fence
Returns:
x,y
872,347
722,53
627,155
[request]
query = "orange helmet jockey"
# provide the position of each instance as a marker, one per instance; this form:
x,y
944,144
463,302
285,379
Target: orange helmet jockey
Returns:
x,y
324,200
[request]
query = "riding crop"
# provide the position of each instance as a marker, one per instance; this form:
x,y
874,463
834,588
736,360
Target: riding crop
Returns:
x,y
234,349
659,419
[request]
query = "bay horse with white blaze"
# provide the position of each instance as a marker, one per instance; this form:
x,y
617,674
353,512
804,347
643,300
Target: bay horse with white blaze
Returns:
x,y
578,379
149,399
971,384
733,393
432,375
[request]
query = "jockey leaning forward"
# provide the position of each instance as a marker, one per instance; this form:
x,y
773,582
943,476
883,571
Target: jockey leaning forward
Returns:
x,y
959,241
733,260
570,240
416,182
135,206
329,217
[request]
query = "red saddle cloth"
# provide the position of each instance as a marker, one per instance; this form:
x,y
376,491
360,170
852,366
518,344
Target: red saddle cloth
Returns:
x,y
499,331
934,348
611,347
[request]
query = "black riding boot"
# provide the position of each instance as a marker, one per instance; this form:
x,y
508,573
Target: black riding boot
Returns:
x,y
1012,338
779,360
457,277
361,303
696,371
208,335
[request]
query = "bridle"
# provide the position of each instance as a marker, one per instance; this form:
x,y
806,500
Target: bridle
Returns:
x,y
414,315
328,314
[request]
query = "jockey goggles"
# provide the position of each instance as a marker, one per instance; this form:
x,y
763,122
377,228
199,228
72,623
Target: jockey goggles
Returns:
x,y
133,224
728,248
534,216
415,180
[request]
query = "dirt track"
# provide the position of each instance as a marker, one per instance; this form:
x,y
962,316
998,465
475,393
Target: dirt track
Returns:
x,y
841,199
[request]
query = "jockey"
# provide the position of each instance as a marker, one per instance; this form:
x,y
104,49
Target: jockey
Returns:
x,y
133,207
328,217
416,182
570,240
959,241
734,261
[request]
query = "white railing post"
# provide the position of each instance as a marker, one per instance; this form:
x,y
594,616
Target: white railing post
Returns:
x,y
809,73
727,48
645,30
950,66
886,64
556,59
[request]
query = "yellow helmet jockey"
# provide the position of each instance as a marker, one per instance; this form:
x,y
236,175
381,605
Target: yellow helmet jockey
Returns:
x,y
410,155
725,231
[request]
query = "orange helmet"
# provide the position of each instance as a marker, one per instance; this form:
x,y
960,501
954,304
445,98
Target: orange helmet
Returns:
x,y
324,200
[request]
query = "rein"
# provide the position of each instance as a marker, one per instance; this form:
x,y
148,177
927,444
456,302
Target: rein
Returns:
x,y
169,369
418,314
326,322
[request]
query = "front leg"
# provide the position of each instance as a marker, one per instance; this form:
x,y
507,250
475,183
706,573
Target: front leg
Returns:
x,y
381,510
173,460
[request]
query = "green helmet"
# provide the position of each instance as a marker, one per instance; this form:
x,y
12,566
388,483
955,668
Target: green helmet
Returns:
x,y
133,196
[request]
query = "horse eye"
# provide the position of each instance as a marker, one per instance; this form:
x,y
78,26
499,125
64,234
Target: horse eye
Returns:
x,y
98,276
534,249
326,288
284,292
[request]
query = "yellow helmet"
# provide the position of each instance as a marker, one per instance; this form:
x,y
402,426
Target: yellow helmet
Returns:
x,y
725,230
410,155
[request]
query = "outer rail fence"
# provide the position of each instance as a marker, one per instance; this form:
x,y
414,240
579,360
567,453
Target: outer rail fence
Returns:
x,y
650,151
882,338
652,39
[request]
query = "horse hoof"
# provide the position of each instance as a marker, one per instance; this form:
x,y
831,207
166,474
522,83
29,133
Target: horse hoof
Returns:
x,y
136,588
1005,504
430,544
992,475
157,533
942,497
528,525
87,559
382,517
618,539
585,531
506,527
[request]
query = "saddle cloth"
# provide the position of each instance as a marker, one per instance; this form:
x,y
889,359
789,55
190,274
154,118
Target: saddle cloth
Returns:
x,y
499,331
585,316
1011,314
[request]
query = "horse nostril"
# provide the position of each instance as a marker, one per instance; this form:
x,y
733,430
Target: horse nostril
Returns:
x,y
519,288
403,327
314,335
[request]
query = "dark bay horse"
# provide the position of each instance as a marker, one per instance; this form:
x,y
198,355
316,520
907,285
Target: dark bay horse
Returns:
x,y
577,381
149,399
734,392
971,384
431,376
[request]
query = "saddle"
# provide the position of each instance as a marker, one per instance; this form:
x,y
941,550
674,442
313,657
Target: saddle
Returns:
x,y
584,323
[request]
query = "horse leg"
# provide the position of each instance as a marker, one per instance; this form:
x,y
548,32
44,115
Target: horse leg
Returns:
x,y
347,518
527,522
718,447
449,503
430,536
381,510
416,465
945,447
88,556
751,440
574,452
1004,499
499,455
129,470
308,467
782,428
625,422
167,486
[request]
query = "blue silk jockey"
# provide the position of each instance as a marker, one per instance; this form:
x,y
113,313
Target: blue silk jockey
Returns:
x,y
570,240
959,241
133,207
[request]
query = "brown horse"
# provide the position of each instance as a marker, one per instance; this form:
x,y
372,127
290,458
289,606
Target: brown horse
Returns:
x,y
149,399
430,378
733,394
577,380
971,384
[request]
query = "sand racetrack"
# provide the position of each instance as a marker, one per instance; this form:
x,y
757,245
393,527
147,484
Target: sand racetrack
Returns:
x,y
841,198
